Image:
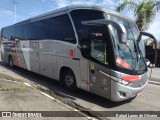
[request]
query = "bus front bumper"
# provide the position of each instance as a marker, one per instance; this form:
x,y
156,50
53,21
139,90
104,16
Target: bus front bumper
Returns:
x,y
120,92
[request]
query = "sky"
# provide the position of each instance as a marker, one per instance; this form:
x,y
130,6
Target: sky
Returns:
x,y
30,8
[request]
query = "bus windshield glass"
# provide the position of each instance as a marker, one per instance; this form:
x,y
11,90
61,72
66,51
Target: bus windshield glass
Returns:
x,y
130,55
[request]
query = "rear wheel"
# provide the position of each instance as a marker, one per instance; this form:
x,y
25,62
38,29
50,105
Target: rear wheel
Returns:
x,y
10,62
69,80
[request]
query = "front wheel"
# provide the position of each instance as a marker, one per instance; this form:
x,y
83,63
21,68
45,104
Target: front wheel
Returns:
x,y
69,80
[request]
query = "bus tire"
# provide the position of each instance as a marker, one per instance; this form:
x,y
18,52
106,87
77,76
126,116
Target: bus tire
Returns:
x,y
69,80
10,62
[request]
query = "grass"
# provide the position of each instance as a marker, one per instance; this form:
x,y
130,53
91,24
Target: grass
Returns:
x,y
16,89
18,86
7,77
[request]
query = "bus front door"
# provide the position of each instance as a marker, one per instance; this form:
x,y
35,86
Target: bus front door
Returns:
x,y
99,73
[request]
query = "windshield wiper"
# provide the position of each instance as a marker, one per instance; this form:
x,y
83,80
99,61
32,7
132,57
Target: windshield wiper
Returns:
x,y
141,56
138,52
131,53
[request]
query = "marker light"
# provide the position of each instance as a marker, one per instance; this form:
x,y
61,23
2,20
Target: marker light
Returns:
x,y
71,53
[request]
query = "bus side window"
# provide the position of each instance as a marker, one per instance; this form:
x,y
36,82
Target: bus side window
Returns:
x,y
6,34
61,29
29,32
42,30
98,47
19,32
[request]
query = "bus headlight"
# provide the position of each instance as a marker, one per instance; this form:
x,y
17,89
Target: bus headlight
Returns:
x,y
124,82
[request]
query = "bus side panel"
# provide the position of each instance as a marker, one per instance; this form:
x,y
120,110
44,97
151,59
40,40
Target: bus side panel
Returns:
x,y
34,56
24,55
4,54
17,54
9,49
100,81
48,58
46,65
84,67
54,69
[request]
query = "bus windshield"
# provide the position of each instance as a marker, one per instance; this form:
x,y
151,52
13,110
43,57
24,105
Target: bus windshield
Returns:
x,y
130,55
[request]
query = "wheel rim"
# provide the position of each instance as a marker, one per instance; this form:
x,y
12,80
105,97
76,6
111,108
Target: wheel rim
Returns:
x,y
69,80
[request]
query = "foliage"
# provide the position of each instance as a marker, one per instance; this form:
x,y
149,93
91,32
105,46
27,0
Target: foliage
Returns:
x,y
144,11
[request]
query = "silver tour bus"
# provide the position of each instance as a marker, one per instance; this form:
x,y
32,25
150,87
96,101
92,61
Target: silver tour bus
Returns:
x,y
86,47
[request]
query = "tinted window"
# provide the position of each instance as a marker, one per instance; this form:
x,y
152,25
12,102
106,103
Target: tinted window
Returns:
x,y
6,33
3,33
84,15
92,36
56,28
19,32
12,33
42,29
98,46
29,31
61,29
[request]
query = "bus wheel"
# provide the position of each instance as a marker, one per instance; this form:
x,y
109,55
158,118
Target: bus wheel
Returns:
x,y
69,80
10,62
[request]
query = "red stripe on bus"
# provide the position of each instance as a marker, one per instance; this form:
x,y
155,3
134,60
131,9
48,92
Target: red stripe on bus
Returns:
x,y
131,78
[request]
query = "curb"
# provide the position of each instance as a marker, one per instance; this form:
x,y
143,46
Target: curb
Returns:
x,y
154,83
154,79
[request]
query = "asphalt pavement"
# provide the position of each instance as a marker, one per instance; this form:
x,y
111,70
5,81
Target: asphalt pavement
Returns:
x,y
19,99
154,75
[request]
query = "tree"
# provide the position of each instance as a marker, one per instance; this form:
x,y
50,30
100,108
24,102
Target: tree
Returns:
x,y
144,11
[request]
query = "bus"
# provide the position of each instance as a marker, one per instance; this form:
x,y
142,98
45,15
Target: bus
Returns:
x,y
87,47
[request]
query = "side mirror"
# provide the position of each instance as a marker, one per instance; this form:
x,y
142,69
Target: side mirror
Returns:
x,y
101,22
157,44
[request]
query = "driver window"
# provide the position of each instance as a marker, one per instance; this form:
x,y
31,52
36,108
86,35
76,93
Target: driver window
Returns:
x,y
98,47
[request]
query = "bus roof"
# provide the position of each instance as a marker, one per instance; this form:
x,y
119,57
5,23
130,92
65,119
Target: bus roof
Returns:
x,y
74,7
